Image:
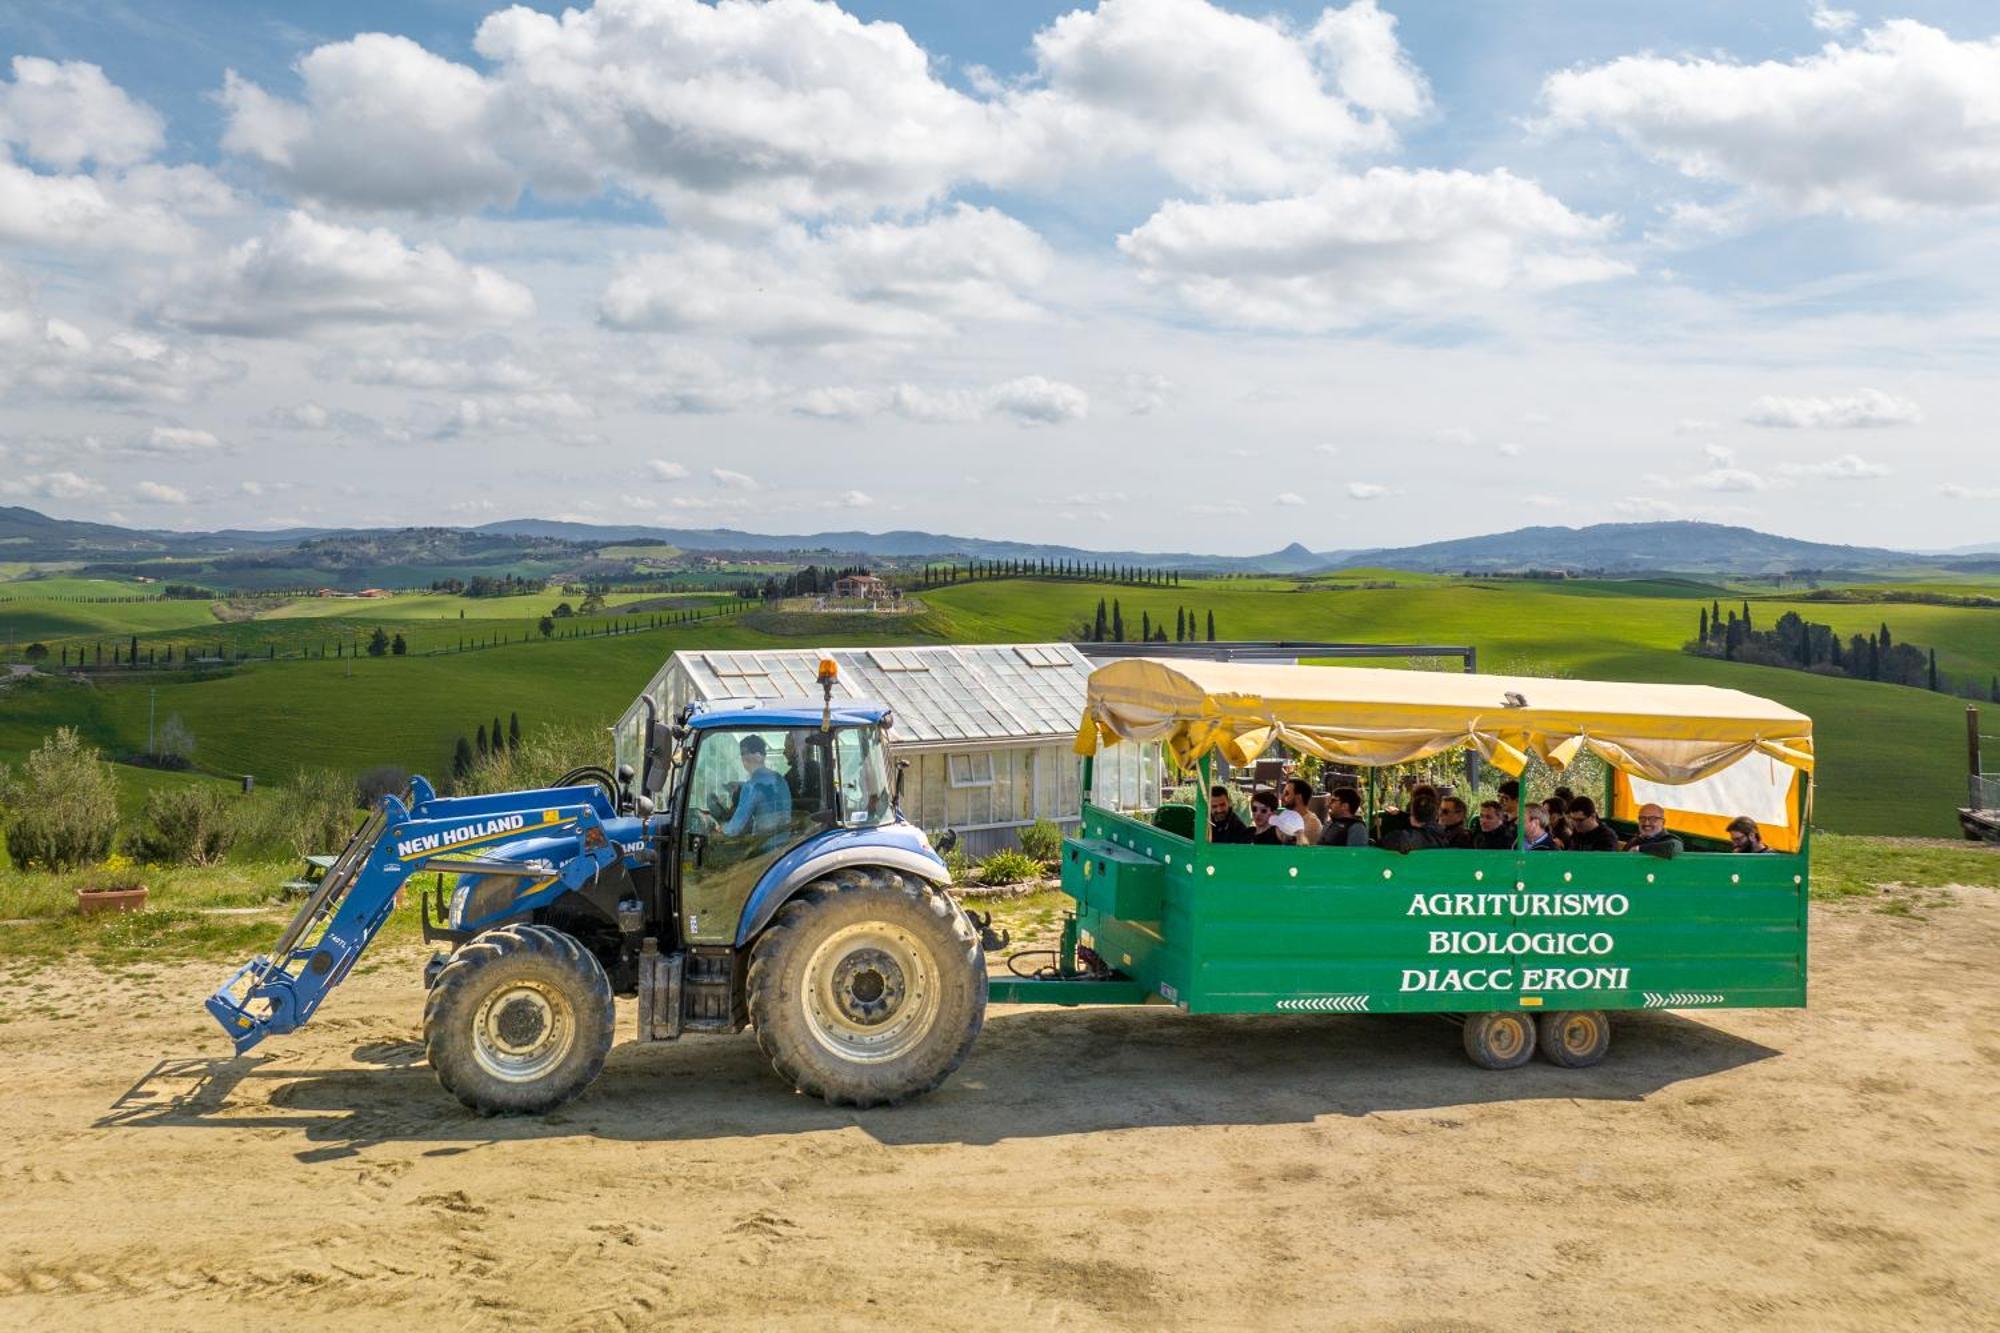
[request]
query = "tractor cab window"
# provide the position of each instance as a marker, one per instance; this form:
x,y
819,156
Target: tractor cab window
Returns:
x,y
749,787
866,794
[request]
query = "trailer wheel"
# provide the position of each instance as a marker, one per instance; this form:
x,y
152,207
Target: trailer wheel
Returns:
x,y
519,1021
1503,1040
1574,1038
867,993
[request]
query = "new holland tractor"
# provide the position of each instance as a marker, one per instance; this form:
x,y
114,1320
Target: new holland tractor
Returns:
x,y
776,885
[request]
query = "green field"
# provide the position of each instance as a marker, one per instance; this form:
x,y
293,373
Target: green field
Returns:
x,y
1891,757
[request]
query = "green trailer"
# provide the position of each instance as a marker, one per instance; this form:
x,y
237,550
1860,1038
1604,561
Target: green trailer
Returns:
x,y
1530,949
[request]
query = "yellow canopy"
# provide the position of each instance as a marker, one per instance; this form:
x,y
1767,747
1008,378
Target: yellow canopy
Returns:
x,y
1671,734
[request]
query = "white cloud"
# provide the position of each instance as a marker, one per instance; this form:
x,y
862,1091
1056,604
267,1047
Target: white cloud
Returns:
x,y
1720,454
305,416
61,485
1225,509
853,500
1827,19
1729,479
883,281
175,440
1694,426
1289,499
61,361
1366,490
385,124
1388,240
1647,507
513,413
1032,400
1953,490
1863,408
666,471
154,492
735,481
1329,450
759,112
469,374
1846,467
1905,118
307,276
1220,101
1455,437
65,114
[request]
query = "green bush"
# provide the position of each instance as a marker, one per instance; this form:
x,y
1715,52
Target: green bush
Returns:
x,y
964,870
314,812
1042,841
544,755
62,811
1009,867
186,826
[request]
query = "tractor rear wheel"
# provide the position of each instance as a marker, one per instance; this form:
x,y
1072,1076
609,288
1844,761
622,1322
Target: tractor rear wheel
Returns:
x,y
867,992
519,1021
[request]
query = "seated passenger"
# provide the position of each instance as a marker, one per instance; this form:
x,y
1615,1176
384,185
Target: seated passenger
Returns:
x,y
1495,833
1296,796
1586,834
1745,836
1343,826
1536,818
1510,800
1274,827
1653,838
1421,829
1451,821
1224,824
1558,807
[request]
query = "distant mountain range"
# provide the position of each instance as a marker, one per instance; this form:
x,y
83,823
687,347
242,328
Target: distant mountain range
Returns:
x,y
1612,548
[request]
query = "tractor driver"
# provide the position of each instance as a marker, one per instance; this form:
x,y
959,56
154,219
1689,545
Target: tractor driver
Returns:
x,y
764,801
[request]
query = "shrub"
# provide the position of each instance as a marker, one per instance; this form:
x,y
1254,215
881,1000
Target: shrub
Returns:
x,y
314,812
379,781
191,826
62,811
544,755
174,746
964,870
1009,867
1042,841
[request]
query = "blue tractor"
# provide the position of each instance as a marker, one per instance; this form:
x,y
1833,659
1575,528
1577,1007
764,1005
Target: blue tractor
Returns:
x,y
759,872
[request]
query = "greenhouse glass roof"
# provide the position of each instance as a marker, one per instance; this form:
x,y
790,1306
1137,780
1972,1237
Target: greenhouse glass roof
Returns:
x,y
963,693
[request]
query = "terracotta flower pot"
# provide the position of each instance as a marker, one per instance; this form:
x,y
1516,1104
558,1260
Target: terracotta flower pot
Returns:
x,y
93,901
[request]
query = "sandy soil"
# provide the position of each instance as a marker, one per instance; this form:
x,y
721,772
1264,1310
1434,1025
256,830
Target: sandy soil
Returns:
x,y
1109,1169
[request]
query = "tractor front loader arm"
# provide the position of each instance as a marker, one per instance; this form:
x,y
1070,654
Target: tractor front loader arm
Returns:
x,y
279,991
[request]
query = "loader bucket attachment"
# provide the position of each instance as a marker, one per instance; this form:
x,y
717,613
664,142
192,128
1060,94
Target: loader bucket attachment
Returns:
x,y
277,992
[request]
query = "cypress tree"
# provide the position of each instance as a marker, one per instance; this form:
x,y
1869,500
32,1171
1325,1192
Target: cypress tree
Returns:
x,y
1933,670
1145,627
1101,628
1746,615
1211,627
481,742
1180,625
1117,622
1886,640
513,731
495,734
461,758
1704,624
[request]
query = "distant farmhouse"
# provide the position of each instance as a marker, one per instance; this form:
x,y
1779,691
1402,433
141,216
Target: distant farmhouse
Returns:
x,y
860,585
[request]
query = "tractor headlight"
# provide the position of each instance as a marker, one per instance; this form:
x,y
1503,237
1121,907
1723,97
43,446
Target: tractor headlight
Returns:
x,y
459,896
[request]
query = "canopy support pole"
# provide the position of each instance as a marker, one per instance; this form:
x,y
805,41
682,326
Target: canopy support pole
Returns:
x,y
1201,803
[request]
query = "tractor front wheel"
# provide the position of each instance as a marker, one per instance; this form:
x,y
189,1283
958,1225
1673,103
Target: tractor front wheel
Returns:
x,y
519,1021
869,992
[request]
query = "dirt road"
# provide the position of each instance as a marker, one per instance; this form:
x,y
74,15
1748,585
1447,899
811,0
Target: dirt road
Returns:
x,y
1109,1169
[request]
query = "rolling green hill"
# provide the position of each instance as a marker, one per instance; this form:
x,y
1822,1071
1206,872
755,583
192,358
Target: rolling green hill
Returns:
x,y
1891,756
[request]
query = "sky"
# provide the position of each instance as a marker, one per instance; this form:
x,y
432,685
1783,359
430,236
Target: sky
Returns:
x,y
1153,274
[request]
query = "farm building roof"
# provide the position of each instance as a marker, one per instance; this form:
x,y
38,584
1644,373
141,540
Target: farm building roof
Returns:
x,y
962,693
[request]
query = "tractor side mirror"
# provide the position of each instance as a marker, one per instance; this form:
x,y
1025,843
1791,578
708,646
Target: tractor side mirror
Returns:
x,y
896,798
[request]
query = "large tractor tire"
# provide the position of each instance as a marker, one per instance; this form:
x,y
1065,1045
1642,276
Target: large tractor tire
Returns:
x,y
519,1021
868,992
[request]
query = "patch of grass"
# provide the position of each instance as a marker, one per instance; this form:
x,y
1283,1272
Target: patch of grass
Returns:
x,y
1847,867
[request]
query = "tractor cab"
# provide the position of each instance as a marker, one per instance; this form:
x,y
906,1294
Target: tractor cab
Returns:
x,y
754,783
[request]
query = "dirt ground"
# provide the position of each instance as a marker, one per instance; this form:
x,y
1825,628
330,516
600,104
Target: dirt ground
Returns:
x,y
1837,1168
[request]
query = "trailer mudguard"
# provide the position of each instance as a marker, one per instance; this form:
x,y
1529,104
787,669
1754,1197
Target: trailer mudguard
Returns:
x,y
901,847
